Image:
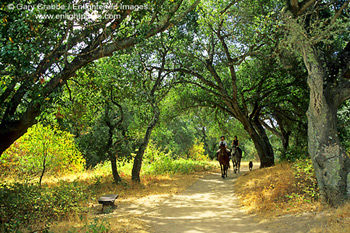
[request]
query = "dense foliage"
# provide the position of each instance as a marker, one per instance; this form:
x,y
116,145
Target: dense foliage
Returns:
x,y
160,162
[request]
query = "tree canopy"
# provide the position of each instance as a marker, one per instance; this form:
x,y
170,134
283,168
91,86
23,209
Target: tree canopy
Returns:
x,y
39,54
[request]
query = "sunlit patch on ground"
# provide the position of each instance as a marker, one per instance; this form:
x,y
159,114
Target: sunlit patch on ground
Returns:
x,y
129,192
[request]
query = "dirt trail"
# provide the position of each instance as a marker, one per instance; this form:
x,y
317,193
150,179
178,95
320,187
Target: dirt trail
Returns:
x,y
210,205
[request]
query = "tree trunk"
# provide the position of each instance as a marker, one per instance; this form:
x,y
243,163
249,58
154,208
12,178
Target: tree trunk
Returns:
x,y
285,134
109,147
328,157
205,141
7,137
136,169
261,142
115,174
330,162
44,169
285,142
263,146
10,131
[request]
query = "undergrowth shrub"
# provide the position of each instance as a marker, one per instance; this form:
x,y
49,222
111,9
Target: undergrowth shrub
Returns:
x,y
25,157
294,154
305,180
160,162
32,207
95,226
197,152
167,165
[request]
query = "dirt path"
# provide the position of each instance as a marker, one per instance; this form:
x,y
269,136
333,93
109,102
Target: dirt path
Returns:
x,y
210,205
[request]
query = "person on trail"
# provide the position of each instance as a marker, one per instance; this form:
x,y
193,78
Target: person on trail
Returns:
x,y
223,142
235,142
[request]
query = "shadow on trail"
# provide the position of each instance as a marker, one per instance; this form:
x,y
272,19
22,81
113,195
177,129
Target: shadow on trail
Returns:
x,y
209,205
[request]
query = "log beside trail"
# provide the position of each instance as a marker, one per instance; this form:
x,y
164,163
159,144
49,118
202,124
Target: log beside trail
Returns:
x,y
107,200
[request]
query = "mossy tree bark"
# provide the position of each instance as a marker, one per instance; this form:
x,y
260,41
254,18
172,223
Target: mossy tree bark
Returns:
x,y
315,31
332,165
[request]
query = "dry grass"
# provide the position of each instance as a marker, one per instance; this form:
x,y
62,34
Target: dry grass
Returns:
x,y
272,192
338,220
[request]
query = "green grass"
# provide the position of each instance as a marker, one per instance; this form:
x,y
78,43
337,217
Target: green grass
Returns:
x,y
168,165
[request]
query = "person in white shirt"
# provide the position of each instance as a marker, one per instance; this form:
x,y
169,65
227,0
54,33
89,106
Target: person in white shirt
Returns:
x,y
223,142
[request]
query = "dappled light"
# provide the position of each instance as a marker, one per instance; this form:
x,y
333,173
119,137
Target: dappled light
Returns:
x,y
199,115
209,205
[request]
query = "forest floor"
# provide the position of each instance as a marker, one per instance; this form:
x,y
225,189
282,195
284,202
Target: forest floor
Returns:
x,y
207,205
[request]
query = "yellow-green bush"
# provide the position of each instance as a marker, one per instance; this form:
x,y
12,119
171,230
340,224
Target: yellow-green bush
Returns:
x,y
197,152
26,156
157,161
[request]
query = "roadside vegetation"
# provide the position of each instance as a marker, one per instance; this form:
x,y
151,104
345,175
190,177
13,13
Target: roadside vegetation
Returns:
x,y
70,195
284,188
289,188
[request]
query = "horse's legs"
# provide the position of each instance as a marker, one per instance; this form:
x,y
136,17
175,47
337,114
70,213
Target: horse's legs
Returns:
x,y
222,170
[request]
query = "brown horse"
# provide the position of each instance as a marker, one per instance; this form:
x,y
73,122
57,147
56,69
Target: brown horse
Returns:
x,y
236,154
224,160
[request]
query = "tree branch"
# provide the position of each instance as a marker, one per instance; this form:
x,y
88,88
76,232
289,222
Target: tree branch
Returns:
x,y
305,5
338,13
271,129
342,92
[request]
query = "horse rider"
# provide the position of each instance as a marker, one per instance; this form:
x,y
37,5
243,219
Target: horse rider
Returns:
x,y
223,142
235,142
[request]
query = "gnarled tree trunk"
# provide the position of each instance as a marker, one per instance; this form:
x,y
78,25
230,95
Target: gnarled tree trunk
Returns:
x,y
136,169
261,142
109,146
331,164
